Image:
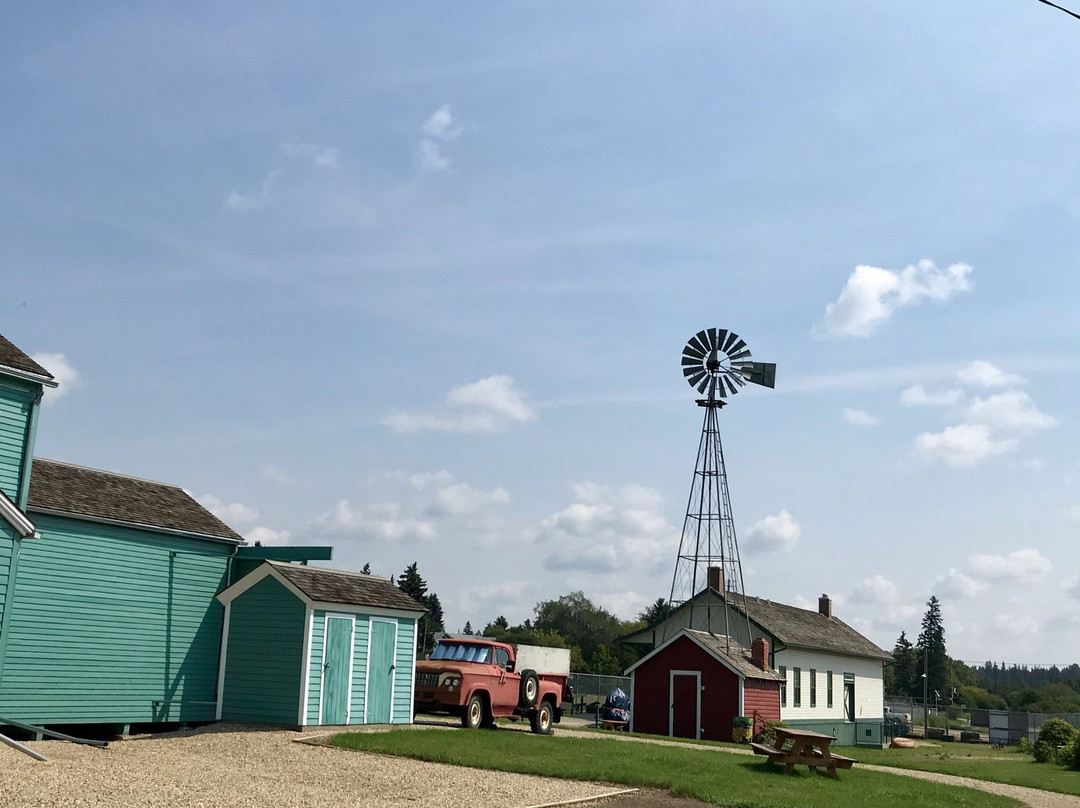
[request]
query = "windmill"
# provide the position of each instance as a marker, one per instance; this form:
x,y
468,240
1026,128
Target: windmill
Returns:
x,y
716,363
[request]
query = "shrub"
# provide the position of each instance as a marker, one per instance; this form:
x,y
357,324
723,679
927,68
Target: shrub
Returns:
x,y
1044,752
1074,764
1067,754
768,732
1024,746
1057,732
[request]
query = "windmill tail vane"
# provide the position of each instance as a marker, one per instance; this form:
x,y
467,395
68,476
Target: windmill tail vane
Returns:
x,y
716,363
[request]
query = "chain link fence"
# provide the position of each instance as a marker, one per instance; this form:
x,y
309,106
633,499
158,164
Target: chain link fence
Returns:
x,y
591,689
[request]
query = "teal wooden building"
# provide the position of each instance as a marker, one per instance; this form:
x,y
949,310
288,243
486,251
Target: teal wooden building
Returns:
x,y
308,646
108,583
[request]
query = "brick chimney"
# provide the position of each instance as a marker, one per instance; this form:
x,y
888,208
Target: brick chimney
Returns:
x,y
716,578
759,653
824,605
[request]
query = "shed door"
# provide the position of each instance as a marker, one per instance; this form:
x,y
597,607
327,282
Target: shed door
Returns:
x,y
380,687
337,670
685,717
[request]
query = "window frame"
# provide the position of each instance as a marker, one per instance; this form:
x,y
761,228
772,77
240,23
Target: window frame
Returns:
x,y
796,700
813,687
783,686
828,689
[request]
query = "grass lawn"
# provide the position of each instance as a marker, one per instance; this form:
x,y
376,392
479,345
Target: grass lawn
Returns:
x,y
713,776
982,762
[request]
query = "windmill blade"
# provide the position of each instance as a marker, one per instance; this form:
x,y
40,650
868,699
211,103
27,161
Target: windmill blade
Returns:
x,y
694,378
763,373
693,371
740,355
692,360
721,335
732,350
702,341
712,388
693,349
704,383
737,377
732,336
731,386
712,339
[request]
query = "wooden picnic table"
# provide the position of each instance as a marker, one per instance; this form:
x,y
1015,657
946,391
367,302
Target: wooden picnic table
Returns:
x,y
801,746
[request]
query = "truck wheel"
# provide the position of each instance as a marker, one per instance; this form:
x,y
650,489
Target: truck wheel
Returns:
x,y
540,719
529,690
473,716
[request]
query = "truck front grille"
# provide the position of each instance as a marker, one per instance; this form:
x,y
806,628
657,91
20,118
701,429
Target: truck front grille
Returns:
x,y
427,680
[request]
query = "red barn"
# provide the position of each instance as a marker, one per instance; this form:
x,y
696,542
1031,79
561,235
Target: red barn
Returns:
x,y
695,684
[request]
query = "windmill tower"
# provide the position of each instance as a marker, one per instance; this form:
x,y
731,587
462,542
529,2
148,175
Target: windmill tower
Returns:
x,y
716,363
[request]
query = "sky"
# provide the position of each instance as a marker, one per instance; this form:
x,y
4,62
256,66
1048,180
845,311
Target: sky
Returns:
x,y
413,280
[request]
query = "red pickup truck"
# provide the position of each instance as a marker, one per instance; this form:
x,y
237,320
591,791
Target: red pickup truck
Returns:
x,y
480,679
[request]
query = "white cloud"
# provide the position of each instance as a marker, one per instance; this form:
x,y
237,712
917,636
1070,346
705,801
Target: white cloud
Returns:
x,y
1011,411
440,128
877,590
320,156
489,405
267,536
773,534
490,599
1073,512
872,294
259,198
917,396
608,530
981,373
1027,565
1015,625
274,474
624,605
962,445
955,585
442,125
228,512
376,522
67,378
860,417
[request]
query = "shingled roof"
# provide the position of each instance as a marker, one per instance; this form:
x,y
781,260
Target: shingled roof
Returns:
x,y
80,491
808,629
736,656
349,588
12,357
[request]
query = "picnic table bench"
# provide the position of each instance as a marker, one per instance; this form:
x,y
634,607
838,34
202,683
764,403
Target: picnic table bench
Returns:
x,y
800,746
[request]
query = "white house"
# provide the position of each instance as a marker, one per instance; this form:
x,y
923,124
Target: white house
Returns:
x,y
833,674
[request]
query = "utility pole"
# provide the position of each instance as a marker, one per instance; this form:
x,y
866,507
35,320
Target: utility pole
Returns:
x,y
925,682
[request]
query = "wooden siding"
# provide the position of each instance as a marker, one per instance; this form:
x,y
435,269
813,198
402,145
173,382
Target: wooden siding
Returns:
x,y
652,682
318,630
361,637
16,402
8,539
404,672
113,625
761,701
264,657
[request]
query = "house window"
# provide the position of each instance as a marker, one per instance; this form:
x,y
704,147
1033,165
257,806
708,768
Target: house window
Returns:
x,y
797,674
813,688
828,688
783,686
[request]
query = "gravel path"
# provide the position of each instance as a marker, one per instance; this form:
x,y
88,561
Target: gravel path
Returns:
x,y
224,766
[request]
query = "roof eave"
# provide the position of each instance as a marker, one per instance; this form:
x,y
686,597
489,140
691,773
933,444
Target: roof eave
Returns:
x,y
29,376
187,534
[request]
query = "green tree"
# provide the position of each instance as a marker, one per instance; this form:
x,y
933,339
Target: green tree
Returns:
x,y
467,631
901,675
931,651
431,623
654,613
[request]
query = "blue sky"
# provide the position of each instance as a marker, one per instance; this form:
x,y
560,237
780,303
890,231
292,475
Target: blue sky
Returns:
x,y
414,280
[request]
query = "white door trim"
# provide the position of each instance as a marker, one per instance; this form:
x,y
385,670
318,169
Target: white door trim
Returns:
x,y
671,700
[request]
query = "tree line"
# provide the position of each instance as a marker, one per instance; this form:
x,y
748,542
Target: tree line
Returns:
x,y
951,682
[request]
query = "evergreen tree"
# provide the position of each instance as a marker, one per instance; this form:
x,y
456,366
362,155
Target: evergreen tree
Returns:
x,y
932,644
904,675
411,583
501,622
467,631
431,623
654,613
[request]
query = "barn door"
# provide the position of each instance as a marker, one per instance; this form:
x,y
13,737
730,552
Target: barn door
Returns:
x,y
382,648
337,670
684,720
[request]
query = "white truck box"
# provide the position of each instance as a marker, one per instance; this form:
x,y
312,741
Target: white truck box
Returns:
x,y
542,660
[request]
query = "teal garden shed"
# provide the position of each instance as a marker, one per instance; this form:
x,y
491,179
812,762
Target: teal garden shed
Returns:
x,y
306,646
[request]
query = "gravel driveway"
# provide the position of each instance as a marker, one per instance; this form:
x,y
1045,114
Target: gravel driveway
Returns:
x,y
239,767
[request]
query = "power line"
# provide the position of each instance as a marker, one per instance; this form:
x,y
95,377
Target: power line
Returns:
x,y
1060,8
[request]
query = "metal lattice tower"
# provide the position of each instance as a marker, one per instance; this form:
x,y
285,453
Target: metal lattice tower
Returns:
x,y
715,362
